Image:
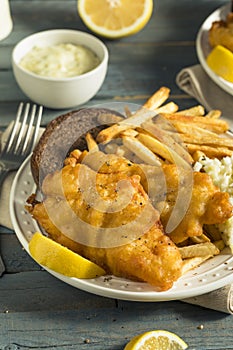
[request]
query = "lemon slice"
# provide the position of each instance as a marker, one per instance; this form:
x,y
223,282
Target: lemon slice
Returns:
x,y
115,18
61,259
156,340
220,60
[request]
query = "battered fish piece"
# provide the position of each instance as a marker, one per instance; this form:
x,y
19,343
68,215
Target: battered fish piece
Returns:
x,y
208,205
199,201
111,221
221,33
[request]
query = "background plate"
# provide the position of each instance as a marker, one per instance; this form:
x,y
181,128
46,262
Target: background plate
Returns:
x,y
203,47
211,275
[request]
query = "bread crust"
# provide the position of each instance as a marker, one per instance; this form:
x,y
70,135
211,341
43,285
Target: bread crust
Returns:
x,y
62,135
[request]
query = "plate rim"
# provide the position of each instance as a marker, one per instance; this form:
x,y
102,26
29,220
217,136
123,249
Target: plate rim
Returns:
x,y
222,83
87,285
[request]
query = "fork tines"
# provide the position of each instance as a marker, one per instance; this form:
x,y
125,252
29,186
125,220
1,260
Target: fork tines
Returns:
x,y
24,131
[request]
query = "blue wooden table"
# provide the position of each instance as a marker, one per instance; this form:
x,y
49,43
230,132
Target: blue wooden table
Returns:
x,y
38,311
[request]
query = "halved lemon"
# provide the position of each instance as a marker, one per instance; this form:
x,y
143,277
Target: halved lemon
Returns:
x,y
220,60
61,259
156,340
115,18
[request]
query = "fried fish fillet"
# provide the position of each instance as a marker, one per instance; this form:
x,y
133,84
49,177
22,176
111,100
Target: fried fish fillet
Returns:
x,y
207,204
107,217
221,33
199,200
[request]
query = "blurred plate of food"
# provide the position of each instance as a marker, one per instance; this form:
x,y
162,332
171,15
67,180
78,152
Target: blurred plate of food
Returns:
x,y
142,193
216,30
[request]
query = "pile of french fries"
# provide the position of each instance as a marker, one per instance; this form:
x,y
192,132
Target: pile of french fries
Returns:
x,y
158,133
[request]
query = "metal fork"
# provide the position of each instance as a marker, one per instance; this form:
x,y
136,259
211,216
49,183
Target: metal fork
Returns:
x,y
20,143
21,139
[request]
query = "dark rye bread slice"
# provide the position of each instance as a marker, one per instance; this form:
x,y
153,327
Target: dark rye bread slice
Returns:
x,y
61,136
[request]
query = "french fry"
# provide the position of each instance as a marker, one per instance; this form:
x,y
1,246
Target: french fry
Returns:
x,y
211,152
215,128
197,131
123,151
194,130
215,125
156,146
191,263
199,250
106,118
170,107
76,156
200,239
91,143
207,140
157,99
140,116
129,132
169,141
108,134
82,156
73,158
214,114
198,155
141,151
111,148
193,111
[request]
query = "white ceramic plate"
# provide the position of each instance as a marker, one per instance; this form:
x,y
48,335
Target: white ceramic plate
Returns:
x,y
203,47
211,275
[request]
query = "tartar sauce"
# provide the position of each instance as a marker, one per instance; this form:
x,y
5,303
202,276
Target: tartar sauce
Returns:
x,y
60,61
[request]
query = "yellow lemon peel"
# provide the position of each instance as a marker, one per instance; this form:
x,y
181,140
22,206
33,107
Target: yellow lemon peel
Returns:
x,y
220,60
61,259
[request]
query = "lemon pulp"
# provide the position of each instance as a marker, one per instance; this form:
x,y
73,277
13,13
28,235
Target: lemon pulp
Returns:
x,y
156,340
115,18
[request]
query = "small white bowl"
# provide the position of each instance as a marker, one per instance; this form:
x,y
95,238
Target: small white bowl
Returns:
x,y
60,93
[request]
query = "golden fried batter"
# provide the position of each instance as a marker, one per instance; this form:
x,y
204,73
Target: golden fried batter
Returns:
x,y
129,240
221,33
207,204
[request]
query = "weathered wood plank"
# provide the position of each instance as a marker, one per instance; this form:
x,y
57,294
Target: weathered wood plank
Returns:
x,y
15,258
106,323
44,312
27,19
44,293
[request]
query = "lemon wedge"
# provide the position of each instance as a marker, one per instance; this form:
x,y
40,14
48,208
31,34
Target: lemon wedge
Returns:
x,y
115,18
61,259
220,60
156,340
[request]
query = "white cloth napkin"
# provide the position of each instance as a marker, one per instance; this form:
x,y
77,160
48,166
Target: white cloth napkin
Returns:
x,y
196,83
220,300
